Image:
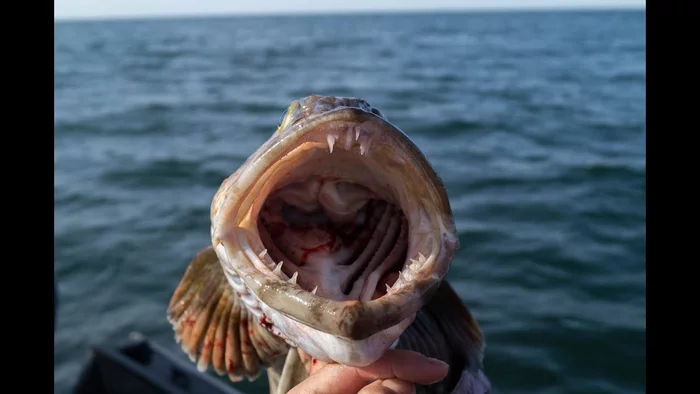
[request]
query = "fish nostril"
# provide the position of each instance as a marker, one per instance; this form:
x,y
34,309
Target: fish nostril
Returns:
x,y
376,112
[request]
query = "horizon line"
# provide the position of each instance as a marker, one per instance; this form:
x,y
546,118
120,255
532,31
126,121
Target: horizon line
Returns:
x,y
340,12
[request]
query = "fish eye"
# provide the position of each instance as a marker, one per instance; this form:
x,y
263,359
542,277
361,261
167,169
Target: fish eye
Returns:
x,y
285,117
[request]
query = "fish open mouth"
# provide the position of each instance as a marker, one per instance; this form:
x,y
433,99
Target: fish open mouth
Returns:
x,y
333,222
344,208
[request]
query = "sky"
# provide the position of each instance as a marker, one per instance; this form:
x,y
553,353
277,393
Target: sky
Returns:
x,y
86,9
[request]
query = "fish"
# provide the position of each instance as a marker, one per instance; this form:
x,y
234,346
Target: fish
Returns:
x,y
331,242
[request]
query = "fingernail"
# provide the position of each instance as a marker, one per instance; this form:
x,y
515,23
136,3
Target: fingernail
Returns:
x,y
435,361
440,363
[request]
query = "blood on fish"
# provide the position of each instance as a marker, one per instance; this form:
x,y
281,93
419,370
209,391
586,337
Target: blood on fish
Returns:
x,y
265,323
328,246
231,366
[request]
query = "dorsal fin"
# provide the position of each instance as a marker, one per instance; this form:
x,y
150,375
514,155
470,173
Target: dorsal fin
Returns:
x,y
215,328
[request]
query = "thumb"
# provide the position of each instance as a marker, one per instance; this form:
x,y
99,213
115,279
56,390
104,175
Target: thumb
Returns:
x,y
405,365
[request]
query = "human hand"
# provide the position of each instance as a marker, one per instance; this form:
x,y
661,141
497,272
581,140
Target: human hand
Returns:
x,y
395,373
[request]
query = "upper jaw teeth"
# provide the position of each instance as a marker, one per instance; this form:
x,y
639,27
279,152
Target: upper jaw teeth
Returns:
x,y
331,141
355,131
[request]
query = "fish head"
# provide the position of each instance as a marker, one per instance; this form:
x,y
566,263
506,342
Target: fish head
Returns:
x,y
336,231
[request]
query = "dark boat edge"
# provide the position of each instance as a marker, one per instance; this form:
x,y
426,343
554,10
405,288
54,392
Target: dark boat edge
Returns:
x,y
139,365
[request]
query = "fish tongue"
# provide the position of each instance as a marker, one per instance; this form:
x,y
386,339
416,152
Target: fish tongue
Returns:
x,y
341,201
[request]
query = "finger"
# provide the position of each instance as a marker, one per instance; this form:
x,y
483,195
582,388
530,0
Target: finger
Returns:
x,y
303,356
389,386
403,364
406,365
316,366
307,360
399,386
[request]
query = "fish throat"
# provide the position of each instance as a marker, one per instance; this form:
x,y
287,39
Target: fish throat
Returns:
x,y
337,236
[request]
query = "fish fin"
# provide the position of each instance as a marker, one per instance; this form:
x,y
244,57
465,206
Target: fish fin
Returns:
x,y
291,373
473,383
446,330
215,328
274,373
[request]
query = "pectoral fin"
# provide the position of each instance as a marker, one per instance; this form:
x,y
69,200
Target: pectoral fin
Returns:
x,y
445,329
214,327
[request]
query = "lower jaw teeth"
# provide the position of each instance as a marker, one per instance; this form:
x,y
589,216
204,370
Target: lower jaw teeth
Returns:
x,y
278,269
404,276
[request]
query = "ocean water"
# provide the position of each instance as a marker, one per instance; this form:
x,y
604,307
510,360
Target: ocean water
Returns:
x,y
535,121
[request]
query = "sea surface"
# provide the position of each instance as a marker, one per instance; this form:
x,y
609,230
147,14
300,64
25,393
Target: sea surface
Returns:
x,y
535,121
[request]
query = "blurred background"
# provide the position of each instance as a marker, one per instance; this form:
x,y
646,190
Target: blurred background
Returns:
x,y
534,116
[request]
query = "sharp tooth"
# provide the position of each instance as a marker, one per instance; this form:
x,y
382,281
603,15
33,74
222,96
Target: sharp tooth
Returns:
x,y
388,288
414,264
294,278
407,276
363,148
314,290
262,254
421,258
331,142
278,269
348,139
357,133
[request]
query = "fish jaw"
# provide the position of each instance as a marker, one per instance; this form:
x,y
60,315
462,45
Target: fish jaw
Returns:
x,y
317,343
345,139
